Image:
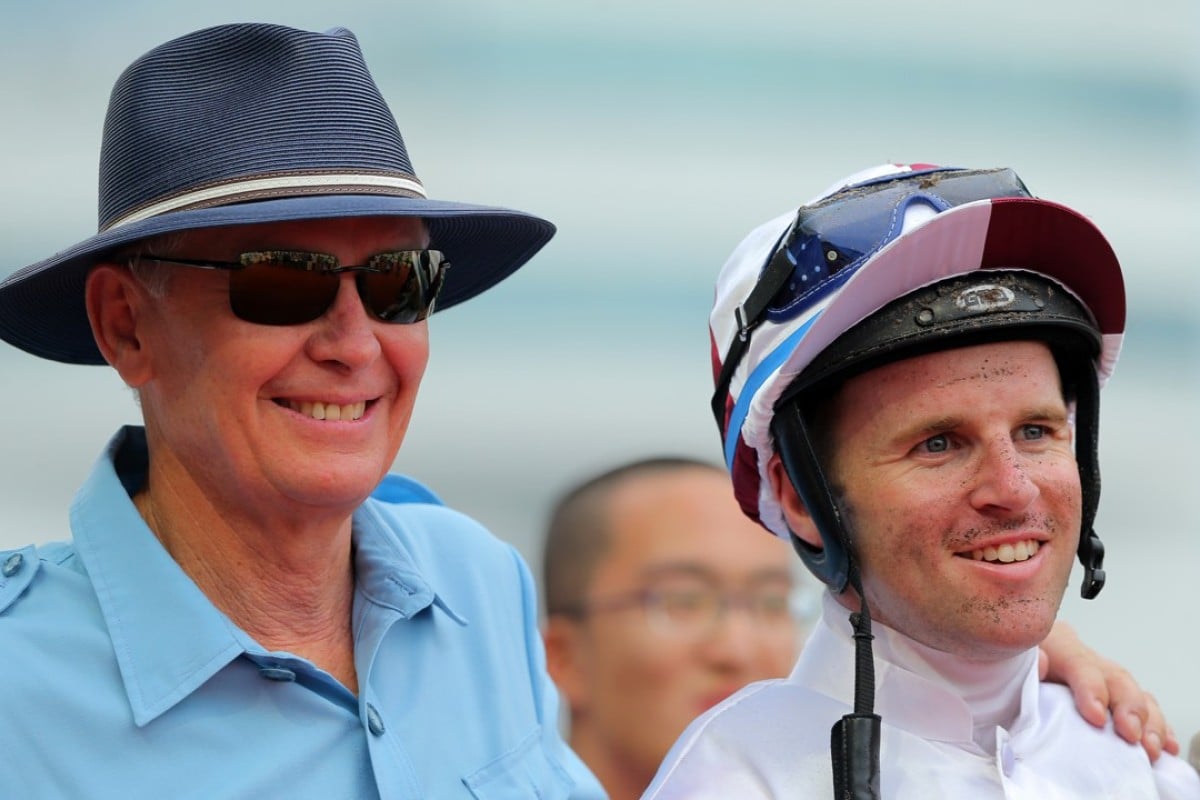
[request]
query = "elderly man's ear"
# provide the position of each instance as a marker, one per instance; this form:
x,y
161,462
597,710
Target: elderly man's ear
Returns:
x,y
794,512
115,303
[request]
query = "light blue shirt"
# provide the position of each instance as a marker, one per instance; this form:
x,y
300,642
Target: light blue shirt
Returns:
x,y
121,680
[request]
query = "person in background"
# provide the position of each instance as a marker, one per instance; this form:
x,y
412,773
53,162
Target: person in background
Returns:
x,y
663,598
656,610
235,615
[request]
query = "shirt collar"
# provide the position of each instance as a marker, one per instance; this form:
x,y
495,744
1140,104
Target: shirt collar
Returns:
x,y
387,573
167,635
168,638
915,687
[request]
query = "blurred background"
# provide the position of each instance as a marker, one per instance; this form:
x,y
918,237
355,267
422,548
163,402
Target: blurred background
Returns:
x,y
656,134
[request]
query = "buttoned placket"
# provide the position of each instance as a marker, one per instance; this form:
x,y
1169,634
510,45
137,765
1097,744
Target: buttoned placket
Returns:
x,y
395,776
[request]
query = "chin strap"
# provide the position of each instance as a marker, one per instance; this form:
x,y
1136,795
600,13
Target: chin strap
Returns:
x,y
1087,428
1091,554
854,740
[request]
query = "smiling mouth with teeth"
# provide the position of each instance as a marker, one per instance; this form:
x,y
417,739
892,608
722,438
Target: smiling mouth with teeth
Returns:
x,y
1007,553
328,411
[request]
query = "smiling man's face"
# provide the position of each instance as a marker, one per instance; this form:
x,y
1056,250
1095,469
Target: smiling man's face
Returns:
x,y
246,410
958,474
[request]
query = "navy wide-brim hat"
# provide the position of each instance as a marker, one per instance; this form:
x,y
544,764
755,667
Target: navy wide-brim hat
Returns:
x,y
243,124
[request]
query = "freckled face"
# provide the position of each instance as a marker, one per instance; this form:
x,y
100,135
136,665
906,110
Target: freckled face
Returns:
x,y
230,404
963,494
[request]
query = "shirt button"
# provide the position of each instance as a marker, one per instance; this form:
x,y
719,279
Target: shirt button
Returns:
x,y
12,565
277,674
374,721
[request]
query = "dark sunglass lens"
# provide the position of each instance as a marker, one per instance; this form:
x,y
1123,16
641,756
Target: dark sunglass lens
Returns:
x,y
401,286
280,294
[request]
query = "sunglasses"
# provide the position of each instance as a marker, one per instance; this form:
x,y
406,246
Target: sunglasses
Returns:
x,y
284,287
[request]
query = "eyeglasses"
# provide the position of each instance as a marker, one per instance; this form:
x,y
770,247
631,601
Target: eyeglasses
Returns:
x,y
829,240
694,608
283,287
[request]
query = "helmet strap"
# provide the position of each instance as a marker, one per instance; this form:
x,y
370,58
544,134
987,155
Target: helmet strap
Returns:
x,y
854,739
748,316
1087,427
794,444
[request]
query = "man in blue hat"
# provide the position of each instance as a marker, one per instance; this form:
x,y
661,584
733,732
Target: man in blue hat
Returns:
x,y
908,372
235,615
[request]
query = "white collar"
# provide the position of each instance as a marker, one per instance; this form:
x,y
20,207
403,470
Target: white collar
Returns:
x,y
930,693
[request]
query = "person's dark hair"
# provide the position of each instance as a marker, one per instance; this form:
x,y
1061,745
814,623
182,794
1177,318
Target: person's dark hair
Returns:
x,y
578,533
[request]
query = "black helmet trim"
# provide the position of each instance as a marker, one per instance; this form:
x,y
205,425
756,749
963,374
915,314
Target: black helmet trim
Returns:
x,y
975,308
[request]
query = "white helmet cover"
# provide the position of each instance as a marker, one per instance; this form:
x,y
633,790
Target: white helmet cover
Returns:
x,y
872,239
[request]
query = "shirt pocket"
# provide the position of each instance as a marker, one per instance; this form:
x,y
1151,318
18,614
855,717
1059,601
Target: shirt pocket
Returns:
x,y
525,772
